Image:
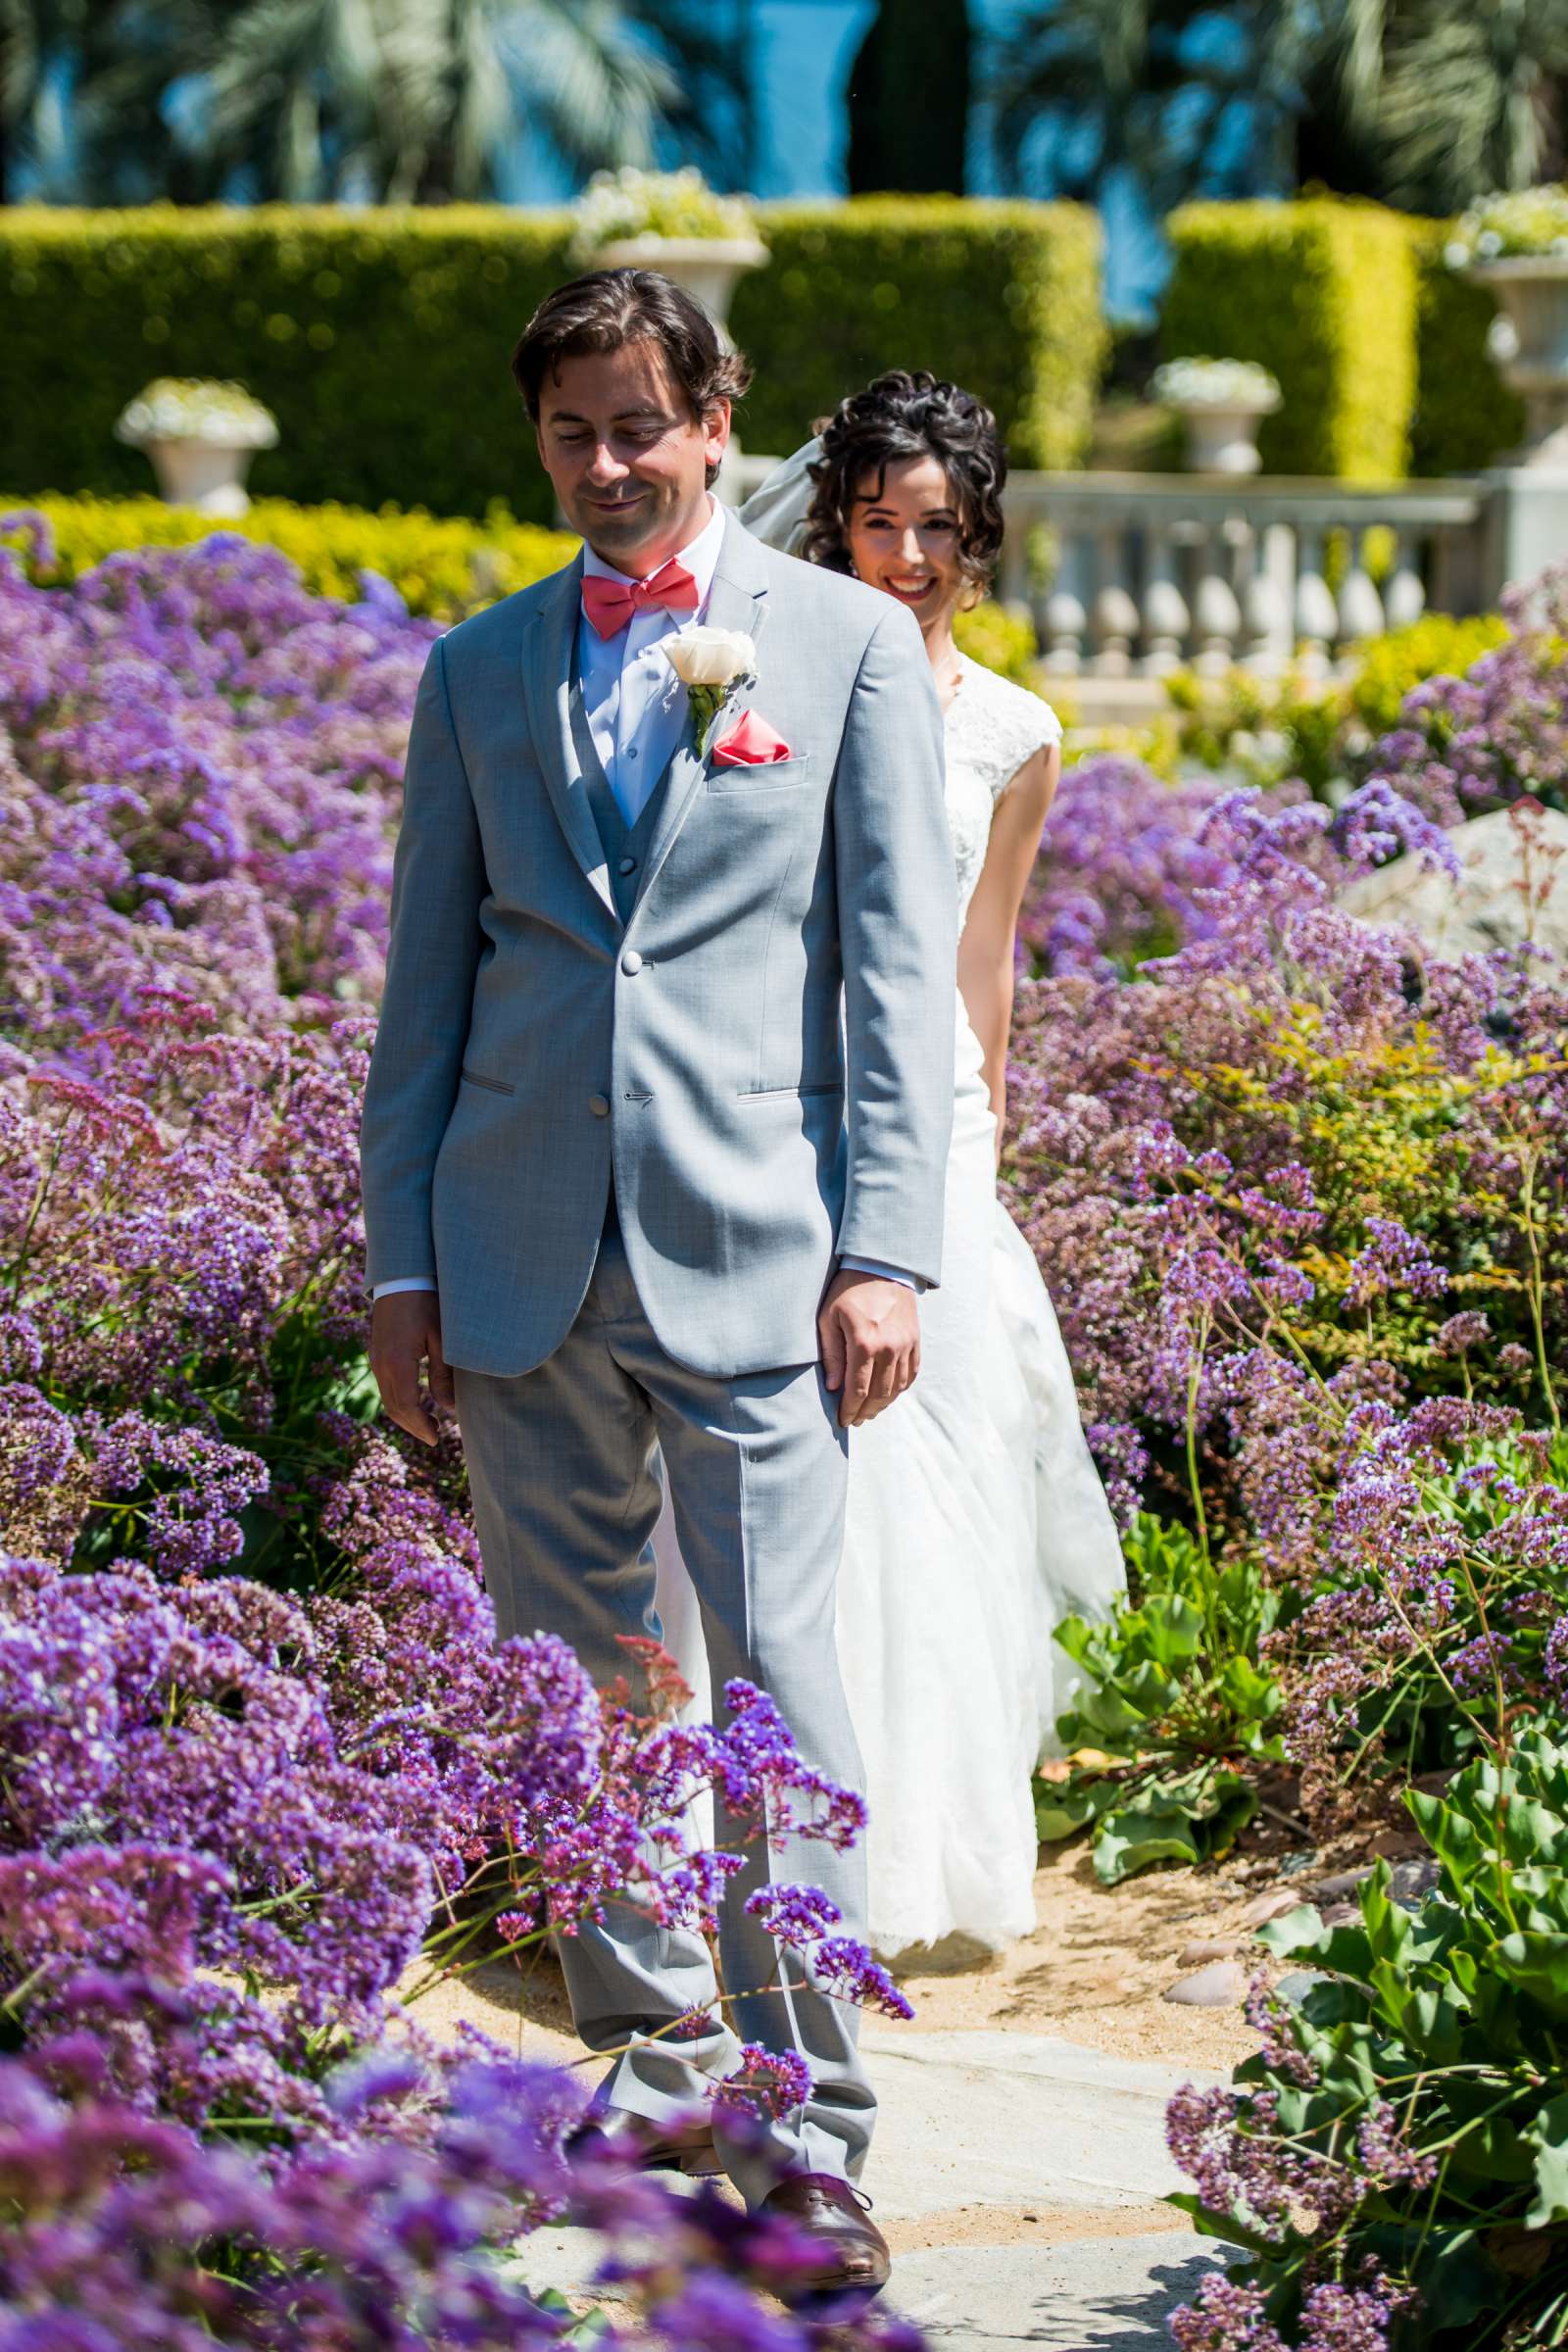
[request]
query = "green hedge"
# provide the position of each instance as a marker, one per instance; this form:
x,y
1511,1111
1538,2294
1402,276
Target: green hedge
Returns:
x,y
380,339
1381,355
1324,293
1466,416
1003,298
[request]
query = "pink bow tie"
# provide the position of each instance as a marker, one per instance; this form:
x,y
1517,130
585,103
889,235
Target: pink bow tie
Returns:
x,y
610,604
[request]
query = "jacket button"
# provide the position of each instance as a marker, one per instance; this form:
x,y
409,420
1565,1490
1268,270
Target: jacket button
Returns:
x,y
631,964
628,866
599,1104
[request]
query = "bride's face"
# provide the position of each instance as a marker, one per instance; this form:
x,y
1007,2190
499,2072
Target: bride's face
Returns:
x,y
904,538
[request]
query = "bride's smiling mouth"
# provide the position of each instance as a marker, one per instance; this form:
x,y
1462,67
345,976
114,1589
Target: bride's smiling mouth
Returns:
x,y
909,590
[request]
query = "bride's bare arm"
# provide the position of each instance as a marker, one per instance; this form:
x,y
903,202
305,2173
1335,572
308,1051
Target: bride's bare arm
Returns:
x,y
990,931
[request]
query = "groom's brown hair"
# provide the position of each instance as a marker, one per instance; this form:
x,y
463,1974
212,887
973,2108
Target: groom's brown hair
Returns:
x,y
609,308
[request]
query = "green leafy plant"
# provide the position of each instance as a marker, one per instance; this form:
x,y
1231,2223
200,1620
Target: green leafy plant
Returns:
x,y
1172,1697
1406,2124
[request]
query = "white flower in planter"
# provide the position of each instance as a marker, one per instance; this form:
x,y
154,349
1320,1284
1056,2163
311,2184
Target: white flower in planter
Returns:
x,y
1531,224
1215,384
200,437
196,408
618,206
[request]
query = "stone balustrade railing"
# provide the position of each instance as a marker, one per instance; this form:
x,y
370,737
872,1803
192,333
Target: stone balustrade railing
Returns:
x,y
1131,575
1147,573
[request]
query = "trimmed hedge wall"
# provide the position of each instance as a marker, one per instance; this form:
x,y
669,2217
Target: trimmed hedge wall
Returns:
x,y
1003,298
1324,293
1381,355
1466,416
380,339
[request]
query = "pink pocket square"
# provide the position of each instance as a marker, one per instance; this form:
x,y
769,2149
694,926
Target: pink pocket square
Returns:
x,y
751,743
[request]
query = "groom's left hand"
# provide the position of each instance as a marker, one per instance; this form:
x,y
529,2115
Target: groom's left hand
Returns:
x,y
869,1329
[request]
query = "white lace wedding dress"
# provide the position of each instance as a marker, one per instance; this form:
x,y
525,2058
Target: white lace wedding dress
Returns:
x,y
976,1517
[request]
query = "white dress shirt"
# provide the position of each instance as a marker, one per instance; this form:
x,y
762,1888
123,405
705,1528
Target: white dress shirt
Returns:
x,y
634,703
636,708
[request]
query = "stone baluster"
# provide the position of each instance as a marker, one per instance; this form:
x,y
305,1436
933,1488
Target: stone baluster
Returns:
x,y
1216,614
1317,619
1360,606
1066,619
1404,598
1116,617
1266,600
1166,619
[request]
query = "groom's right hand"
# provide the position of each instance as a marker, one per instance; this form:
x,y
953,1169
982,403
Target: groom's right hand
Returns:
x,y
868,1329
406,1333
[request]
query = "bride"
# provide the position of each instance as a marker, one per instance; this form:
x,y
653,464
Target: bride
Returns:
x,y
976,1518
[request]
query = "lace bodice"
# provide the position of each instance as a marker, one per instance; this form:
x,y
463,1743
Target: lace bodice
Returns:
x,y
991,728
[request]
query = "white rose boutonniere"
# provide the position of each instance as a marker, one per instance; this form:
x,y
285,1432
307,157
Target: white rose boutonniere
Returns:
x,y
712,665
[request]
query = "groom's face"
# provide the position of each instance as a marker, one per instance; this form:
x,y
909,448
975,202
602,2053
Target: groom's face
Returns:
x,y
628,459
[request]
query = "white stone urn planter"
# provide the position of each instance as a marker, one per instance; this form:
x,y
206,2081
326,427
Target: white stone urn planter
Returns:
x,y
200,438
209,475
1221,404
1532,293
1224,440
708,268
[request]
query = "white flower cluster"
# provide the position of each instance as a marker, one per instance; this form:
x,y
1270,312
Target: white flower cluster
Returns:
x,y
195,409
1532,224
630,203
1215,384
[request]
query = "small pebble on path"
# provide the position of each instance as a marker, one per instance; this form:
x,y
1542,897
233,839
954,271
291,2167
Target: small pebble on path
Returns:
x,y
1217,1986
1216,1949
1273,1905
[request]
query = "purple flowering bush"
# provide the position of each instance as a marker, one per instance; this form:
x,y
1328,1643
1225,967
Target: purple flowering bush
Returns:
x,y
1299,1189
268,1772
1463,745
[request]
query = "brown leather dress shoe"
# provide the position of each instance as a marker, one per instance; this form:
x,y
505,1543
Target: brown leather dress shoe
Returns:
x,y
648,2146
855,2256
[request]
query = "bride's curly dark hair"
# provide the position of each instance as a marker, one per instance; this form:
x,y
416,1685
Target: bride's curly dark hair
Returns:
x,y
910,414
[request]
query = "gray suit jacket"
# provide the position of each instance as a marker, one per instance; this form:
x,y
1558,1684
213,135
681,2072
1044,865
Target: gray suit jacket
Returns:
x,y
763,1054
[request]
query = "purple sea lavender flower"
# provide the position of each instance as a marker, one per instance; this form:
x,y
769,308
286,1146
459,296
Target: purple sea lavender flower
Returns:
x,y
770,2082
1394,1260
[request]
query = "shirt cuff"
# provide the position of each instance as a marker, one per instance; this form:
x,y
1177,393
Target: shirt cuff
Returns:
x,y
874,1265
406,1282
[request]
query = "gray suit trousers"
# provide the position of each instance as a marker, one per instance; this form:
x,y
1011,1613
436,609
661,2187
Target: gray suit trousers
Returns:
x,y
562,1462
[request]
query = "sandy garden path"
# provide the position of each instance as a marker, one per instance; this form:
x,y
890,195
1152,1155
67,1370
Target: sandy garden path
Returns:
x,y
1020,2161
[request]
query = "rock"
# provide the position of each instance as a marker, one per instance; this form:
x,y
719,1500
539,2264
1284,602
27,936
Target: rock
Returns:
x,y
1513,886
1410,1883
1341,1915
1216,1949
1343,1883
1296,1986
1220,1986
1273,1905
1395,1845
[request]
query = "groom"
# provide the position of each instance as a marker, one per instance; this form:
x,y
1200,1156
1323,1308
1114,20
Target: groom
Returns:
x,y
656,1133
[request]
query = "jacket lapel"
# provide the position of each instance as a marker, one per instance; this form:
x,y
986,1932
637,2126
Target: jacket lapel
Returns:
x,y
737,600
547,663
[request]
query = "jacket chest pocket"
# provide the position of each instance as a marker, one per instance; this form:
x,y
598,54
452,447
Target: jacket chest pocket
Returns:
x,y
743,782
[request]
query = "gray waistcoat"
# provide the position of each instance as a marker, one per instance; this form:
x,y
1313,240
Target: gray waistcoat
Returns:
x,y
625,846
